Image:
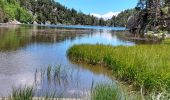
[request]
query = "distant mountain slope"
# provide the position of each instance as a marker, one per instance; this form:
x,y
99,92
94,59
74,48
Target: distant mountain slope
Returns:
x,y
43,11
51,12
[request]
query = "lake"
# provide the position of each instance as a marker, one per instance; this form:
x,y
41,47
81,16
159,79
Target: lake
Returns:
x,y
25,51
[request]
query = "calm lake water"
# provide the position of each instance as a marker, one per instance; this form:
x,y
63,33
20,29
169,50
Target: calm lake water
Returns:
x,y
24,50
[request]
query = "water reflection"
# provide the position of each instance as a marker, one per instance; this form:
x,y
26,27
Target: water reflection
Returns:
x,y
23,49
13,38
60,80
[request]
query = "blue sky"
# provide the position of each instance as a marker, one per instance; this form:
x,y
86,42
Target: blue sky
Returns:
x,y
99,6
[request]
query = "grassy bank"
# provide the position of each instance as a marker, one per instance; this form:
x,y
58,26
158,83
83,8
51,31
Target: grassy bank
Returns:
x,y
144,66
98,91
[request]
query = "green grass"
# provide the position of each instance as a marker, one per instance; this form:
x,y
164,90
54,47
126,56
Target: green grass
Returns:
x,y
144,66
13,11
105,91
26,93
166,41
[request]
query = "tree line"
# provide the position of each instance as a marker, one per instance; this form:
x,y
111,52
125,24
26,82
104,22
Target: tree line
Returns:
x,y
51,12
153,15
44,11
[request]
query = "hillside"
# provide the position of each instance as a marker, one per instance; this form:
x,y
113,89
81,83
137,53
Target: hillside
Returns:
x,y
51,12
44,11
10,10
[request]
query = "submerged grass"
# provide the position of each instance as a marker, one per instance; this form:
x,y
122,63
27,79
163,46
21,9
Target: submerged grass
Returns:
x,y
144,66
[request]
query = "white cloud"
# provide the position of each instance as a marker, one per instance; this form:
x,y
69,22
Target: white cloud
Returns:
x,y
106,16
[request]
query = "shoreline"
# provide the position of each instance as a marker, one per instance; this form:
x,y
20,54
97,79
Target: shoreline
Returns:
x,y
44,98
66,25
81,28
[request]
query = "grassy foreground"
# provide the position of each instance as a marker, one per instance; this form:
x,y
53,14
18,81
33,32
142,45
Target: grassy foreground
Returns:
x,y
166,41
106,91
144,66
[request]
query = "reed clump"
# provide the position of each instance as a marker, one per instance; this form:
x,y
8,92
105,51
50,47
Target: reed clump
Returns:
x,y
105,91
144,66
26,93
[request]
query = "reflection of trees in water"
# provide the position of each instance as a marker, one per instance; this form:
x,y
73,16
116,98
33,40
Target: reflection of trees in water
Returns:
x,y
12,38
54,35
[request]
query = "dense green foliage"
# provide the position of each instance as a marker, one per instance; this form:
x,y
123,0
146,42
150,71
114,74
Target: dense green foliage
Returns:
x,y
10,10
53,12
43,11
152,15
145,66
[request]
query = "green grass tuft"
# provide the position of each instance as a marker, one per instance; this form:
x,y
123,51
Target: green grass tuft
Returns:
x,y
105,92
26,93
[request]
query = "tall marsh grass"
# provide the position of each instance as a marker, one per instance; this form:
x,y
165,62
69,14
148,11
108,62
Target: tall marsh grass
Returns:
x,y
52,74
144,66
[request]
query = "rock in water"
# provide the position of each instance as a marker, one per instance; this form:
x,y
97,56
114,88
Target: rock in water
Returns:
x,y
35,23
14,22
